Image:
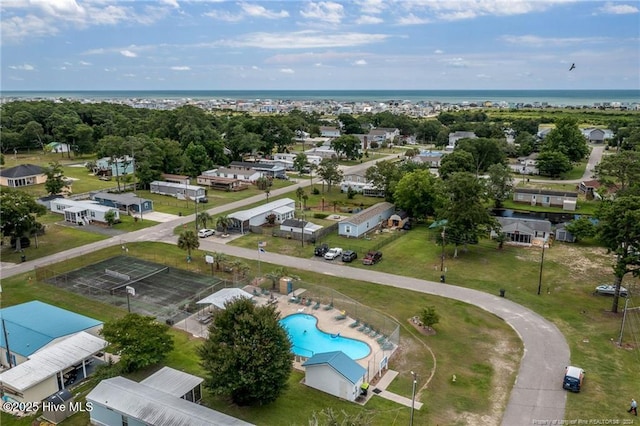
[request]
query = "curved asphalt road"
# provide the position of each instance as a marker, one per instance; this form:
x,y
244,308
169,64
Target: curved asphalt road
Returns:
x,y
537,393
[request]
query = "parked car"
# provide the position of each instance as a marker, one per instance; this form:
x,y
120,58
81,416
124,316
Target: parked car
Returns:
x,y
610,290
349,256
573,378
333,253
204,233
203,200
372,258
321,250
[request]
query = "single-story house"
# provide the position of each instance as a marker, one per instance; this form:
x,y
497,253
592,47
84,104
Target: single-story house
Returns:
x,y
296,226
398,219
181,192
595,135
58,147
264,169
431,158
335,373
108,166
181,179
82,212
221,183
561,234
547,198
323,152
329,132
366,220
120,401
47,371
286,158
283,209
127,202
221,297
22,175
525,232
33,325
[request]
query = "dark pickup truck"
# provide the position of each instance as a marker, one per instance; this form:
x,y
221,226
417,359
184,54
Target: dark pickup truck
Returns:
x,y
321,250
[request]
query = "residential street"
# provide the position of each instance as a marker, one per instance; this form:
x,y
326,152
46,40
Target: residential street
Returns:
x,y
536,395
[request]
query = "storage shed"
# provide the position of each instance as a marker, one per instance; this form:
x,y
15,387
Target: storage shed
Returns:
x,y
177,383
335,373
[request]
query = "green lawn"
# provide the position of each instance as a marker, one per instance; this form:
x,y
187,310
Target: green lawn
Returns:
x,y
464,345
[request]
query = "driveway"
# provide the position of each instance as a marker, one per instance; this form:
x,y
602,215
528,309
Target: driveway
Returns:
x,y
594,159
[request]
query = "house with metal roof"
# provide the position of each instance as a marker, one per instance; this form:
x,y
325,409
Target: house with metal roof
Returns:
x,y
366,220
335,373
546,198
283,209
82,212
126,202
524,232
31,326
50,369
22,175
177,383
119,401
264,169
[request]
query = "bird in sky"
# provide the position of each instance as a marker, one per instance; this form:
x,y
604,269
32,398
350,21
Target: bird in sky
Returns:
x,y
572,67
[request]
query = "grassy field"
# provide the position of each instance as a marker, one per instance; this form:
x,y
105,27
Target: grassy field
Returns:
x,y
476,346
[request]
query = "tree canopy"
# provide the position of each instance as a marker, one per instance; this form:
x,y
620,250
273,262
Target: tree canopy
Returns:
x,y
247,355
418,193
140,341
19,214
567,139
328,170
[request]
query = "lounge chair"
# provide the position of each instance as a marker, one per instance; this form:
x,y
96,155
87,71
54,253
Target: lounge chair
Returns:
x,y
354,324
328,307
317,305
342,316
373,334
255,292
309,302
362,327
381,339
387,346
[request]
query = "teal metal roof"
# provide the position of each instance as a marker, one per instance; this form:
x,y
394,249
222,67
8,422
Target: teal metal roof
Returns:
x,y
340,362
32,325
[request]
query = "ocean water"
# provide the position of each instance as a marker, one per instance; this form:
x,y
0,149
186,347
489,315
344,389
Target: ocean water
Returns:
x,y
551,97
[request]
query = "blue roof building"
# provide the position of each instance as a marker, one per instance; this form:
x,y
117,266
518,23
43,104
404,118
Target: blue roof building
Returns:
x,y
33,325
335,373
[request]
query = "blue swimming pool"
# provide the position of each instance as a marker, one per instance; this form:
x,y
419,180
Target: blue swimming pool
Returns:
x,y
308,340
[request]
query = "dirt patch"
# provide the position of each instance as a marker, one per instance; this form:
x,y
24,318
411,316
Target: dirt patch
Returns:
x,y
420,328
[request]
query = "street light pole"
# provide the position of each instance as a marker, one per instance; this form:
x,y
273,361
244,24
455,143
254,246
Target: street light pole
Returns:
x,y
413,396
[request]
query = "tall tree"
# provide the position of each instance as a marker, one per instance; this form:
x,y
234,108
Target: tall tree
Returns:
x,y
224,222
330,173
552,163
467,217
140,340
621,169
567,138
247,355
188,240
485,152
19,214
418,193
300,162
499,184
384,175
55,178
203,219
457,161
619,231
195,160
347,145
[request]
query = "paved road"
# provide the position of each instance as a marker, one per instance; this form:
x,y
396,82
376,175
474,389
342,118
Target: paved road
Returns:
x,y
594,159
536,395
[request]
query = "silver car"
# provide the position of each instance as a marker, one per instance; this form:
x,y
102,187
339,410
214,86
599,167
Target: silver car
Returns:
x,y
610,290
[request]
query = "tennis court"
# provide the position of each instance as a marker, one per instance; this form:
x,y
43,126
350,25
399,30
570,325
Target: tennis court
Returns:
x,y
144,287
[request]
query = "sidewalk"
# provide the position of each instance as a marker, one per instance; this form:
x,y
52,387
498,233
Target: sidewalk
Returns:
x,y
380,389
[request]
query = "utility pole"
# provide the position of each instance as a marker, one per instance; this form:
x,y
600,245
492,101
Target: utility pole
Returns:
x,y
541,264
413,396
444,228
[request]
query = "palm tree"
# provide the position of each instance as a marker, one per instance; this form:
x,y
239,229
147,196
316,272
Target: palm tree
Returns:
x,y
224,222
188,241
218,258
299,195
203,219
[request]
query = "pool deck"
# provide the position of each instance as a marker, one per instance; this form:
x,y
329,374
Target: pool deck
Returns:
x,y
330,320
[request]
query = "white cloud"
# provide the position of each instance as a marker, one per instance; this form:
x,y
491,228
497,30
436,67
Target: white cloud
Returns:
x,y
304,39
255,67
309,57
287,71
371,6
618,9
537,41
259,11
412,19
368,20
222,15
326,11
23,67
84,63
181,68
438,52
455,62
360,62
128,53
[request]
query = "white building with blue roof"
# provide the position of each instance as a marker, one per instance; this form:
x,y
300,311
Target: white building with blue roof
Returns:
x,y
32,326
336,374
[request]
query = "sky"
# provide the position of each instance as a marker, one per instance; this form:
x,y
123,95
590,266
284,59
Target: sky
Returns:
x,y
319,45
